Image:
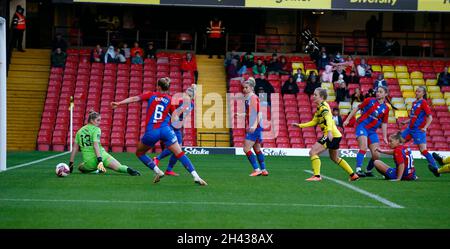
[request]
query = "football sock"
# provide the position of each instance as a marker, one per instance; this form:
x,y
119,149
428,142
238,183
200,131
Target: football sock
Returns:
x,y
360,159
370,165
260,157
122,169
147,161
172,161
251,157
315,161
185,161
444,169
344,165
164,154
429,158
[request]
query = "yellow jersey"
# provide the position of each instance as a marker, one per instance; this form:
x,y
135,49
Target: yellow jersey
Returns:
x,y
324,119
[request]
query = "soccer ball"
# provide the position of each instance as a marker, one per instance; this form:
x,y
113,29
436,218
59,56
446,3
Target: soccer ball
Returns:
x,y
62,170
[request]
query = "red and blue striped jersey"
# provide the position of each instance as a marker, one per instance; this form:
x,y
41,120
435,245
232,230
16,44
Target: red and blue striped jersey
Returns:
x,y
252,111
373,113
419,111
159,109
402,154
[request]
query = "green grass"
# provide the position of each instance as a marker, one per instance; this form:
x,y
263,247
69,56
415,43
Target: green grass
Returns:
x,y
33,197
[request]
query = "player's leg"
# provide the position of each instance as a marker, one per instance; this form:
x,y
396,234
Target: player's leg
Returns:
x,y
89,165
314,153
260,157
179,154
147,142
375,155
385,170
248,145
173,159
112,163
362,145
421,140
444,169
333,147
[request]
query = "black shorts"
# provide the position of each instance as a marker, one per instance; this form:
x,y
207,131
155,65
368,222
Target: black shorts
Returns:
x,y
333,145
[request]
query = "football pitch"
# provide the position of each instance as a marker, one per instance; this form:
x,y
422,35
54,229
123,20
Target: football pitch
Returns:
x,y
34,197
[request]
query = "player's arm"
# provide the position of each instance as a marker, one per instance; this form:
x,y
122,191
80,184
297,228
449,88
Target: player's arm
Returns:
x,y
427,110
350,116
427,124
400,170
313,122
253,114
125,101
96,144
405,121
387,152
75,149
384,125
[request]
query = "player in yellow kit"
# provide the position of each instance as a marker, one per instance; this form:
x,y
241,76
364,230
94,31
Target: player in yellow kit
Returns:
x,y
331,137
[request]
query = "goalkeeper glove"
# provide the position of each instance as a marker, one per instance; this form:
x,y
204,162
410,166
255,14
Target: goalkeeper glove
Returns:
x,y
100,166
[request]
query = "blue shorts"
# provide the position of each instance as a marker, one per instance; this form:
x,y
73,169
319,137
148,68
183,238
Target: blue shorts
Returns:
x,y
419,136
255,136
391,173
370,134
165,134
179,135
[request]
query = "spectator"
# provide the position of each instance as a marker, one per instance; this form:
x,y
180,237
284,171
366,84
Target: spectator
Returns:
x,y
323,59
229,56
327,75
267,87
353,78
312,83
342,93
299,76
215,37
338,58
337,118
58,58
248,60
444,78
189,65
357,96
233,70
274,66
110,56
18,28
339,71
97,54
380,81
259,67
290,86
137,58
59,42
286,66
363,69
150,51
120,58
125,51
136,48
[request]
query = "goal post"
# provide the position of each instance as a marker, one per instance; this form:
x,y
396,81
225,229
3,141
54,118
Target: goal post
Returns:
x,y
2,94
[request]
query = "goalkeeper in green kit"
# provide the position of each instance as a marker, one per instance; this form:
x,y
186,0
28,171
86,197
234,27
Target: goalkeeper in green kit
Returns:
x,y
95,158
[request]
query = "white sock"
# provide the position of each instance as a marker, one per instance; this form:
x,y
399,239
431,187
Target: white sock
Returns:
x,y
157,170
195,175
358,169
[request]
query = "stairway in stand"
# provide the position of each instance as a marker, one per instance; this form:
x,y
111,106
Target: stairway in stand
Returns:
x,y
26,90
211,125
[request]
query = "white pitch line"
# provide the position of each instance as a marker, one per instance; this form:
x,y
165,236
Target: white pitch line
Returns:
x,y
373,196
187,203
36,161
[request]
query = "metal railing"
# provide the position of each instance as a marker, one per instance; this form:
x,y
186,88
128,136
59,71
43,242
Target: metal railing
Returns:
x,y
411,43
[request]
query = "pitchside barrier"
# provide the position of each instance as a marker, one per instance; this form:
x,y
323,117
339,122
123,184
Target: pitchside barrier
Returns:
x,y
288,152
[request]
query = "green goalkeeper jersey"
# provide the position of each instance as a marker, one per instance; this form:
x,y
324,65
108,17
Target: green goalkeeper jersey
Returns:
x,y
85,138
